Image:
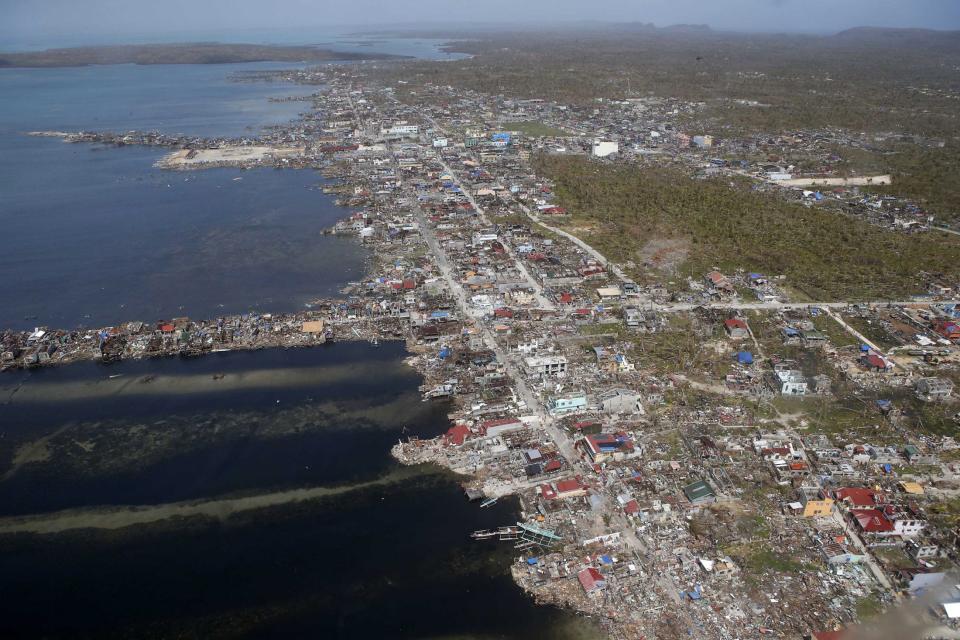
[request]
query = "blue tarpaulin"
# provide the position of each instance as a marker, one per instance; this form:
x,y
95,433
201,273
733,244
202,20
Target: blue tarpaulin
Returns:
x,y
532,561
745,357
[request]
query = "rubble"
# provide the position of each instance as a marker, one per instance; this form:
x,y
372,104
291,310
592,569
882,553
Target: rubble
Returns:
x,y
670,485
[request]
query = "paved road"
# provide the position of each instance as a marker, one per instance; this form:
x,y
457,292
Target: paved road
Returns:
x,y
559,437
532,282
599,257
854,540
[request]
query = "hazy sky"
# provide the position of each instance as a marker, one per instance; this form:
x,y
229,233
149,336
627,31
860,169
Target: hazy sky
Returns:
x,y
35,19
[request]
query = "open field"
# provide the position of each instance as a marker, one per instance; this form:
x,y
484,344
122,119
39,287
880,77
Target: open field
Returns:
x,y
186,158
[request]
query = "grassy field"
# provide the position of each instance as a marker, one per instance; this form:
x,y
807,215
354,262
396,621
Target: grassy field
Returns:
x,y
826,255
535,129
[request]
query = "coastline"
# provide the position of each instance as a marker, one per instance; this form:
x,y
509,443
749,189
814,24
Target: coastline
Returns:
x,y
332,319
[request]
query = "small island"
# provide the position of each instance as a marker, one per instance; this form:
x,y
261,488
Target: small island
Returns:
x,y
184,53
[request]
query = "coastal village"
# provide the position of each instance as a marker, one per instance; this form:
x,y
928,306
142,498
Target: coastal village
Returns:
x,y
712,457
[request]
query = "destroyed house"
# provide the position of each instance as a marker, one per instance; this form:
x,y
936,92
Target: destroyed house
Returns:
x,y
949,329
874,362
934,389
736,328
544,366
719,282
591,580
620,401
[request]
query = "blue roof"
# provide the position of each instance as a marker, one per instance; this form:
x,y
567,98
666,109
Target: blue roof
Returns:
x,y
606,559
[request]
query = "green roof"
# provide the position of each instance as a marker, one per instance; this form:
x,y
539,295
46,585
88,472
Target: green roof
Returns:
x,y
538,531
698,490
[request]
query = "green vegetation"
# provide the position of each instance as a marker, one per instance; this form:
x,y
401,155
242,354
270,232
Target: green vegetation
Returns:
x,y
863,80
868,607
928,176
535,129
759,560
837,335
827,255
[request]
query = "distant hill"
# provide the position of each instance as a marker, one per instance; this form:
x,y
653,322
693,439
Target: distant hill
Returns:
x,y
187,53
897,37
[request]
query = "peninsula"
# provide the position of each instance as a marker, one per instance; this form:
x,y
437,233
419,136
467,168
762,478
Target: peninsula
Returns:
x,y
185,53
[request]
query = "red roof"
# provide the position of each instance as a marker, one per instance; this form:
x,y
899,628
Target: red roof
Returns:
x,y
553,465
735,323
876,361
499,422
548,492
591,579
859,496
166,328
839,634
872,520
457,434
947,328
631,507
566,297
503,312
565,486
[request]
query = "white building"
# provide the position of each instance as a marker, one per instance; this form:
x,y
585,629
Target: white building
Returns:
x,y
404,129
791,382
703,142
604,148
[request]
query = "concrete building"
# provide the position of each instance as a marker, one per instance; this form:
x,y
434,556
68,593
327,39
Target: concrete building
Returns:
x,y
545,366
934,389
620,401
568,403
789,382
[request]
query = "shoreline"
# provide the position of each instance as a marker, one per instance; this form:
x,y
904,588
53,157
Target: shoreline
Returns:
x,y
382,307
